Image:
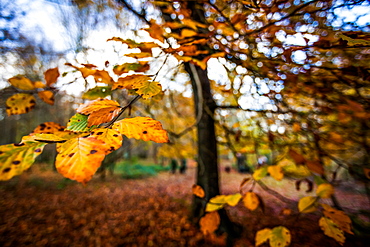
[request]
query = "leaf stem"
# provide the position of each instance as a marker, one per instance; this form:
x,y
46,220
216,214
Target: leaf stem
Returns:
x,y
137,97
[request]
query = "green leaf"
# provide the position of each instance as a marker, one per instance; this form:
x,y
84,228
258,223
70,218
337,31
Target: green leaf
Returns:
x,y
307,204
331,230
97,92
280,237
260,173
78,123
15,158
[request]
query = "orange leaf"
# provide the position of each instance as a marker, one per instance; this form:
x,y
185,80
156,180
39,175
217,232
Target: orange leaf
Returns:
x,y
315,166
51,76
155,31
47,96
103,76
198,191
20,103
112,138
298,158
79,158
48,128
210,222
21,82
144,128
99,111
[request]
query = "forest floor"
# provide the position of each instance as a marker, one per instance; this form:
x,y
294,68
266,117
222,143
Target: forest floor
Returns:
x,y
40,208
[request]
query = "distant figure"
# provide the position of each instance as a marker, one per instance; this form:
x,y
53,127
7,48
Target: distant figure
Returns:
x,y
173,166
242,163
183,166
262,160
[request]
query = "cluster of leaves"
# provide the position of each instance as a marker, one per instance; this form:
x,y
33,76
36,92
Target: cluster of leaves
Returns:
x,y
333,222
24,101
94,131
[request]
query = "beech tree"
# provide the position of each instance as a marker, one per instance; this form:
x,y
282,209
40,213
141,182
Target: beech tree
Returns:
x,y
298,65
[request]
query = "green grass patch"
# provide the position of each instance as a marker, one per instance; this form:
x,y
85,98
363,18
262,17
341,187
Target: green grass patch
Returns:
x,y
127,170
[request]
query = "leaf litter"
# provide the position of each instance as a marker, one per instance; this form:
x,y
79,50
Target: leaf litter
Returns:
x,y
42,209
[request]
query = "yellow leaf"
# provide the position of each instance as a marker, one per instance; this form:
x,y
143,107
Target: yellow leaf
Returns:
x,y
132,82
188,33
139,55
251,201
198,191
144,128
280,237
142,84
21,82
260,173
100,111
210,207
15,158
338,217
307,204
262,236
20,103
39,84
276,172
79,158
47,96
209,223
331,229
325,190
233,199
111,137
51,76
48,138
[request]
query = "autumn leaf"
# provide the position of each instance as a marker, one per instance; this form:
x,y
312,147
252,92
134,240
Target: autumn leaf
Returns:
x,y
47,96
260,173
338,217
315,166
85,71
139,55
97,92
144,128
198,191
78,123
209,223
141,66
331,230
48,128
39,84
142,84
80,157
367,172
103,77
307,204
16,158
155,31
325,190
20,103
298,158
276,172
280,237
21,82
233,199
262,236
99,111
112,138
251,200
51,76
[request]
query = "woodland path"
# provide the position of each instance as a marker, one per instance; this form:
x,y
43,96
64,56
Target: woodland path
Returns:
x,y
43,209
